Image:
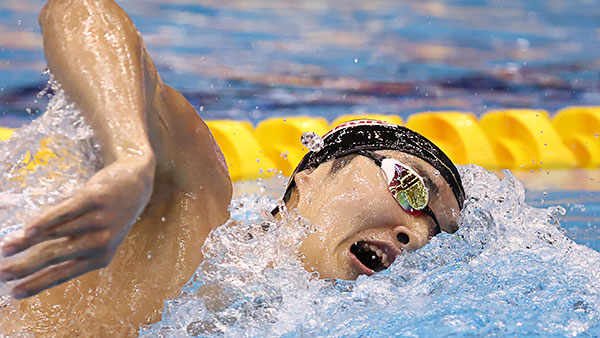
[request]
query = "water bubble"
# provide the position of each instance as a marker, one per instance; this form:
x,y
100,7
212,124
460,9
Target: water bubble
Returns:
x,y
312,141
60,145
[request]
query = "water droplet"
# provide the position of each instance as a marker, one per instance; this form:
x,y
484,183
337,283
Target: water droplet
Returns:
x,y
163,219
312,141
355,60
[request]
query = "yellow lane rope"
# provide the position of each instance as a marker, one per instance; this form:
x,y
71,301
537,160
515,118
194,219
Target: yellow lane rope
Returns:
x,y
513,139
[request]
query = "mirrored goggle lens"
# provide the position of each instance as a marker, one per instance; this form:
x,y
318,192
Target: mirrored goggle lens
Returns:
x,y
407,187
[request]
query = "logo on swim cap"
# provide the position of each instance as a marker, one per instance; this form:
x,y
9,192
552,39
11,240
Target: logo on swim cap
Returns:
x,y
357,123
361,135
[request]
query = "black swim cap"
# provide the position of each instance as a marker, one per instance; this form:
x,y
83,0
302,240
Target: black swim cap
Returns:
x,y
360,135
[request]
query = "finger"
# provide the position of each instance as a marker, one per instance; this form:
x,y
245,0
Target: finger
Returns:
x,y
55,223
54,275
85,224
65,211
52,253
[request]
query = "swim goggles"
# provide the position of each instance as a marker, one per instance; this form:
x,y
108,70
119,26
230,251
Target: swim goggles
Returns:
x,y
407,187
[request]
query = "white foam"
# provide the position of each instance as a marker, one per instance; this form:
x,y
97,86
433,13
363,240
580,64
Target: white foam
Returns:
x,y
509,270
26,190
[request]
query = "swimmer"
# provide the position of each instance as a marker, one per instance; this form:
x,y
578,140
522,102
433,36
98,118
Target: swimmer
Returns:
x,y
103,262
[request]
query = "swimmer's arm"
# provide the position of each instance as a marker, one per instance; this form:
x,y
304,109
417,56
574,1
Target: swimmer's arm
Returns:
x,y
94,51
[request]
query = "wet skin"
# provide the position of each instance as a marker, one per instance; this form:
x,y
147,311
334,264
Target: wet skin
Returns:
x,y
356,205
160,162
102,262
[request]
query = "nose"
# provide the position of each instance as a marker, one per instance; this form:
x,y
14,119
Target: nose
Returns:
x,y
411,238
402,237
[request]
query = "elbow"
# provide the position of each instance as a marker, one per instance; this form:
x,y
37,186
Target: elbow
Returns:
x,y
54,11
47,13
65,13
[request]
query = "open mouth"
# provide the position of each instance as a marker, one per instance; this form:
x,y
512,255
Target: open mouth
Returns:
x,y
372,256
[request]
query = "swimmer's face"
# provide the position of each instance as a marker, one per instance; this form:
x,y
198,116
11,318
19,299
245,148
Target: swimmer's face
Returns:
x,y
361,228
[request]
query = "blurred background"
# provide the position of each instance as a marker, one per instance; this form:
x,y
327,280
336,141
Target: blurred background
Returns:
x,y
253,59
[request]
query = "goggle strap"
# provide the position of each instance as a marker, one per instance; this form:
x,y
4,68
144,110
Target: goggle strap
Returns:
x,y
427,211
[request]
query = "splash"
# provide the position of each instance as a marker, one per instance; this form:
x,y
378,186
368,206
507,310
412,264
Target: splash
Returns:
x,y
44,162
509,270
312,141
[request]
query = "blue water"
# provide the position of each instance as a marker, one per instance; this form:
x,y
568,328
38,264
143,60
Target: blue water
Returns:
x,y
253,59
582,220
509,271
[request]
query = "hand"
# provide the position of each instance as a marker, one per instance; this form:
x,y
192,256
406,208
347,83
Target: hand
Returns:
x,y
82,233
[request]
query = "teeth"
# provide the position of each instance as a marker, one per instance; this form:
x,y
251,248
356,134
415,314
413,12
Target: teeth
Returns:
x,y
381,254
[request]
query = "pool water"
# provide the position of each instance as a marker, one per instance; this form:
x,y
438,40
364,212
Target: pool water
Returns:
x,y
524,262
509,271
250,60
